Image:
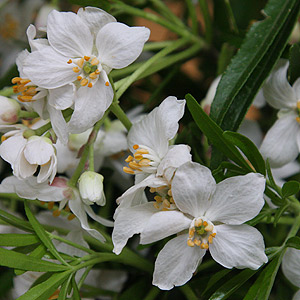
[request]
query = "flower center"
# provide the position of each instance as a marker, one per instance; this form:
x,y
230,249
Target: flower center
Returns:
x,y
9,27
298,111
25,88
163,200
88,70
143,160
201,233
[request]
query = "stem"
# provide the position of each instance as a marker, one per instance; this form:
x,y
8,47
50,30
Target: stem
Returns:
x,y
91,158
8,91
120,114
28,114
294,229
192,13
231,17
129,80
153,293
188,292
207,20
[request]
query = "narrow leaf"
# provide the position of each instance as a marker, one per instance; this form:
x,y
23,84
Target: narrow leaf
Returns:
x,y
18,240
293,242
290,188
76,295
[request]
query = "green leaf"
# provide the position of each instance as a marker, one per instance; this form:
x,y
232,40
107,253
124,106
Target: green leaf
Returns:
x,y
45,289
290,188
294,68
260,50
15,221
76,295
103,4
293,242
18,240
274,198
42,234
214,133
261,289
12,259
216,278
279,212
232,285
248,148
64,289
271,179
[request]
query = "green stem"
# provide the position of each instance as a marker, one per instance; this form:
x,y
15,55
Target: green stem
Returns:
x,y
28,114
188,292
92,137
8,91
129,80
207,20
120,114
192,13
152,294
294,229
231,18
91,158
83,277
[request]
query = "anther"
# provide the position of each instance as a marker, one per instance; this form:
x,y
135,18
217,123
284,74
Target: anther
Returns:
x,y
210,239
170,192
204,246
205,223
191,232
298,119
80,62
90,85
87,58
197,242
84,82
156,205
94,61
71,217
142,151
50,205
138,156
24,81
75,69
128,170
152,190
107,83
144,162
25,98
198,222
16,80
67,208
213,234
69,61
133,165
209,227
97,72
158,199
171,200
190,243
298,104
93,75
56,213
3,138
166,203
135,147
79,78
129,159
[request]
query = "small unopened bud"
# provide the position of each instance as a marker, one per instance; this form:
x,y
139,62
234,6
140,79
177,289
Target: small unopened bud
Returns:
x,y
9,110
91,188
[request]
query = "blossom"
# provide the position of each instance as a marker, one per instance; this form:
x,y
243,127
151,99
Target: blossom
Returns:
x,y
291,268
9,110
153,161
281,143
26,155
206,216
83,49
58,191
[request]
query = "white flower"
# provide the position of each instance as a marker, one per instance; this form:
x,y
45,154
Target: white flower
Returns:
x,y
9,110
58,191
154,161
26,155
83,49
208,216
282,142
291,268
91,188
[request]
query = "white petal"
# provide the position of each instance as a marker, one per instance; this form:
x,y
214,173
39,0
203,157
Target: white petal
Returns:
x,y
176,263
163,224
48,69
239,246
175,157
286,171
10,148
8,184
38,151
158,127
77,208
291,266
90,105
130,221
59,124
192,188
22,168
95,18
97,218
63,97
68,34
237,199
252,130
48,171
297,296
280,143
277,90
119,45
296,87
35,44
259,100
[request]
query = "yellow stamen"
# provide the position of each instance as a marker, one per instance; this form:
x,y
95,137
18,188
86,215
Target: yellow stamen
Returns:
x,y
209,227
205,223
94,61
84,82
69,61
210,239
144,162
171,200
156,205
197,242
204,246
50,205
138,156
190,243
93,75
133,165
298,119
152,190
24,81
298,104
128,170
142,151
75,69
97,72
170,192
158,199
129,159
87,58
30,92
79,78
166,203
135,147
90,85
67,208
107,83
3,138
56,213
71,217
191,232
198,222
213,234
80,62
16,80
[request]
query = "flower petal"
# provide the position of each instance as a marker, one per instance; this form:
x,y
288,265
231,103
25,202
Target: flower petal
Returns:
x,y
62,97
176,263
90,105
130,221
296,87
158,127
68,34
163,224
277,90
237,199
291,266
239,246
280,143
77,208
48,69
97,218
119,45
10,148
95,18
192,187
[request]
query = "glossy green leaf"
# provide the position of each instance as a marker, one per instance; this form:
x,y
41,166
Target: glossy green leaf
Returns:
x,y
45,289
42,234
248,148
290,188
17,240
214,133
293,242
12,259
261,289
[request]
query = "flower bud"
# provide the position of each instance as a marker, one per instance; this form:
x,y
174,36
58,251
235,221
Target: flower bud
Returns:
x,y
9,110
91,188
